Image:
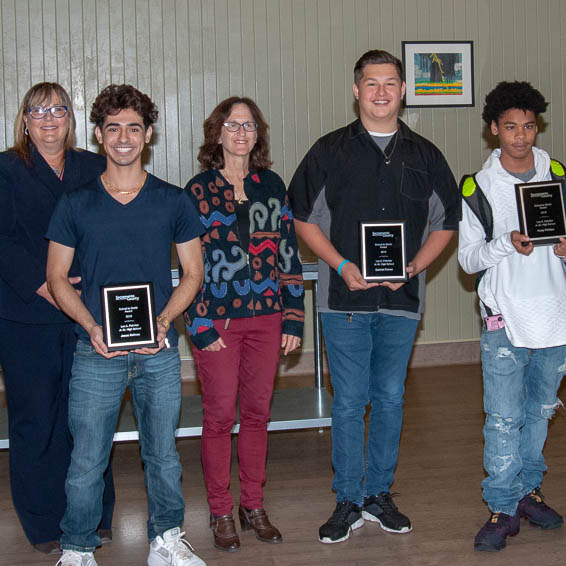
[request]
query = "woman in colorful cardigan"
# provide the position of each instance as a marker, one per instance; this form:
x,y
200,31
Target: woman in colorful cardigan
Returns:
x,y
250,306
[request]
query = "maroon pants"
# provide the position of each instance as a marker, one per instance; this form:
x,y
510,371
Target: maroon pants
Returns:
x,y
246,367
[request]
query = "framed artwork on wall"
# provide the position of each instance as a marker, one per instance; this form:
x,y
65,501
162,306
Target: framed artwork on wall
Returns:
x,y
438,73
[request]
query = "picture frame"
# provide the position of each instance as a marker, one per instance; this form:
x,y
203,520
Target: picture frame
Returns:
x,y
438,73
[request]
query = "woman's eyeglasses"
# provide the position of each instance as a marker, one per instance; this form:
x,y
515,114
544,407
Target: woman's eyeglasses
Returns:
x,y
235,126
38,112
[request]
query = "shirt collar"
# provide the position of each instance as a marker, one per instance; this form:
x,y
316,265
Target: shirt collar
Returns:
x,y
404,132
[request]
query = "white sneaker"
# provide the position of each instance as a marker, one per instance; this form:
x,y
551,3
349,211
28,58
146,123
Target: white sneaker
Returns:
x,y
74,558
172,550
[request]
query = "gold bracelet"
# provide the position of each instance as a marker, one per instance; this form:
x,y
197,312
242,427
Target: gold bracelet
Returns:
x,y
164,321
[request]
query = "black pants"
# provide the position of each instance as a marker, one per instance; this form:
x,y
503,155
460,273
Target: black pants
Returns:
x,y
36,361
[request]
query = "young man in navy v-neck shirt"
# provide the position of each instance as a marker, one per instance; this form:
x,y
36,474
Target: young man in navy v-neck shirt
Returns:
x,y
122,226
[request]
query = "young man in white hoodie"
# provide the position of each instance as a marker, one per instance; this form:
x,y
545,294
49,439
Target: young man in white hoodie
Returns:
x,y
522,301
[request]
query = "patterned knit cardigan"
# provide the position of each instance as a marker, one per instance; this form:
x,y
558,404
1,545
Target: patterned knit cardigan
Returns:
x,y
264,279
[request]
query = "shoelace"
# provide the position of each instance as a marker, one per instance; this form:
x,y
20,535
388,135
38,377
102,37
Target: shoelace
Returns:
x,y
495,517
341,514
181,547
386,502
536,495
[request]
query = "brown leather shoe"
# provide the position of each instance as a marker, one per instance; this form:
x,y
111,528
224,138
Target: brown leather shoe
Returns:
x,y
257,520
224,532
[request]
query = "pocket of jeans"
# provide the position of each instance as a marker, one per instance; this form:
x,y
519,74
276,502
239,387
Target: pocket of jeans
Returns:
x,y
168,356
85,348
172,350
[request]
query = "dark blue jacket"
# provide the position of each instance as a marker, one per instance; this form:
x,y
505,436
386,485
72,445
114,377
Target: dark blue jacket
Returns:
x,y
27,198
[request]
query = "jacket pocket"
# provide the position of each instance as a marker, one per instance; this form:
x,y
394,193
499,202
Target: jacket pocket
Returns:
x,y
415,183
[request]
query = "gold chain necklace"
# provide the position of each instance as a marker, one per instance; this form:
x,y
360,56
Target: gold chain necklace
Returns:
x,y
110,186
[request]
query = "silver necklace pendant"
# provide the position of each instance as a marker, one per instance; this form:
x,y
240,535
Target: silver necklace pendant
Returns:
x,y
387,158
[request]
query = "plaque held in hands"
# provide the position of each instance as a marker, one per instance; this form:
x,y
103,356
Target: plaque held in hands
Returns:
x,y
383,251
542,214
128,316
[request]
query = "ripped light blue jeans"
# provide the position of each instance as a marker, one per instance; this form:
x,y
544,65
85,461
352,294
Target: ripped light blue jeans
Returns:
x,y
520,396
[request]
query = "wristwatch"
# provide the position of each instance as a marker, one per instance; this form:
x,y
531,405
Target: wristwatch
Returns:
x,y
164,321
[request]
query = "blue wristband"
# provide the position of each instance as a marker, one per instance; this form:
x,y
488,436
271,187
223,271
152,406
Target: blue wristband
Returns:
x,y
344,262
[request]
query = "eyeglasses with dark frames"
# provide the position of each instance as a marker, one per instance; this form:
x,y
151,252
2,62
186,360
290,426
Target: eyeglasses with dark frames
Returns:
x,y
38,112
235,126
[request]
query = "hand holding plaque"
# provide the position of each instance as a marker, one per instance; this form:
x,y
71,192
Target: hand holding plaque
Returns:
x,y
383,256
128,316
542,214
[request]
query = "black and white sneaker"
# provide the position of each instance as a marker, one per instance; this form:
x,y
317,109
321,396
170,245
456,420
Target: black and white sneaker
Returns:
x,y
346,517
381,509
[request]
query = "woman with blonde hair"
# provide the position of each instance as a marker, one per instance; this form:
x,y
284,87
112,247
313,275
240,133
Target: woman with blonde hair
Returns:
x,y
37,340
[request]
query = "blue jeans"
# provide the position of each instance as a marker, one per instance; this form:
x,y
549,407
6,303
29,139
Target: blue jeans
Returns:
x,y
520,396
368,356
95,392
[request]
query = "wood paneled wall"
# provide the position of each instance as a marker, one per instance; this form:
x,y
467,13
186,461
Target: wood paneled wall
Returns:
x,y
295,58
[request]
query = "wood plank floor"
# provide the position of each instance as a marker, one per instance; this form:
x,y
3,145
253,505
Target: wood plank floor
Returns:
x,y
438,479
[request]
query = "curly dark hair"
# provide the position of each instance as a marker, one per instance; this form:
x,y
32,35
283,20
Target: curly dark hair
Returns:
x,y
115,98
376,57
516,94
211,154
